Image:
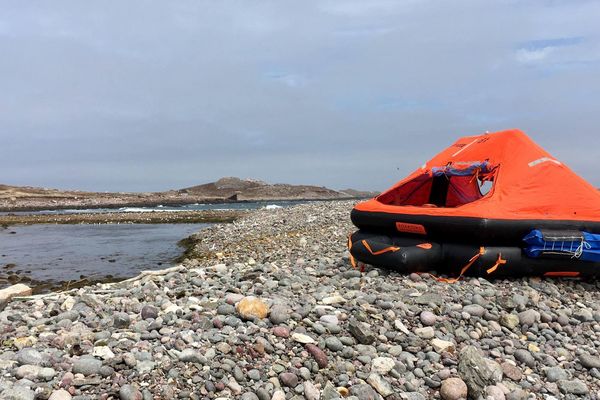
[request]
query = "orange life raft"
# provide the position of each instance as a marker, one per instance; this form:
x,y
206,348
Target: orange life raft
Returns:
x,y
473,205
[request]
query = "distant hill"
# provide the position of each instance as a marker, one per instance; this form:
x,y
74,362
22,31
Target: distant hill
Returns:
x,y
232,188
223,190
359,194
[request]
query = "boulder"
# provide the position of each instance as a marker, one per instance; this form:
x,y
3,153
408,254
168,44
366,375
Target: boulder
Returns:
x,y
13,291
477,372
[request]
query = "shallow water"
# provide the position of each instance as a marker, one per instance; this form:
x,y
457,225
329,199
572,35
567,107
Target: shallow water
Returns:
x,y
58,253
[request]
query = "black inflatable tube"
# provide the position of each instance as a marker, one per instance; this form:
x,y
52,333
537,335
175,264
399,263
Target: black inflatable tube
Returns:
x,y
450,258
465,229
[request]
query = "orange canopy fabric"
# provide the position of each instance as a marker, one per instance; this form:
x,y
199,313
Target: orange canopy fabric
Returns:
x,y
528,183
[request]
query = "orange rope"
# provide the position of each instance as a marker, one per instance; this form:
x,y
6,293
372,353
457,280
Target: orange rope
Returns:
x,y
463,270
352,260
378,252
499,261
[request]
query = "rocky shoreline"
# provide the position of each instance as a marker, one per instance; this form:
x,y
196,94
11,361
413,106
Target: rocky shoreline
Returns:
x,y
150,217
268,307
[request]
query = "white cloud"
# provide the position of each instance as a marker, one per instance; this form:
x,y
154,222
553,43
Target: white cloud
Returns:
x,y
526,56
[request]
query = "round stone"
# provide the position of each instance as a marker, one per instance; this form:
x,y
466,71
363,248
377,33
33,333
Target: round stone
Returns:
x,y
333,343
427,318
453,389
288,379
149,312
121,320
254,374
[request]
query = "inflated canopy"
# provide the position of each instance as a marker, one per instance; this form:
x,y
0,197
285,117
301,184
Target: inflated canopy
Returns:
x,y
502,175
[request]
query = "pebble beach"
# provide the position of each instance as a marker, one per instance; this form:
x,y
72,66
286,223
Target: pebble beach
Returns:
x,y
268,307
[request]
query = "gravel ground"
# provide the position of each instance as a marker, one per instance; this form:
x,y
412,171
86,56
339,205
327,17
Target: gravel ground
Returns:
x,y
269,308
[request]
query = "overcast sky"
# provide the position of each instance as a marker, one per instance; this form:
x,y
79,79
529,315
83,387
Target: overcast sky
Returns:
x,y
140,96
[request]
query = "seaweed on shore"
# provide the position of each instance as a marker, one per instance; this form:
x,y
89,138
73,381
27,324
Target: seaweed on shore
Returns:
x,y
189,217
